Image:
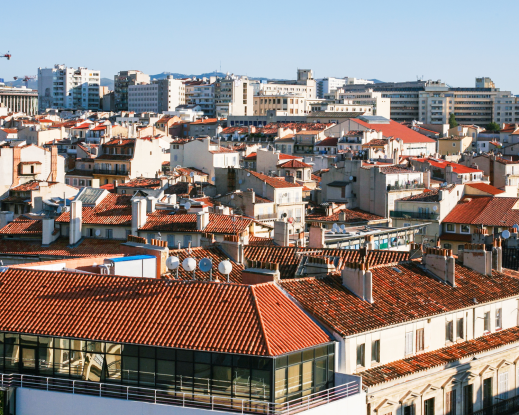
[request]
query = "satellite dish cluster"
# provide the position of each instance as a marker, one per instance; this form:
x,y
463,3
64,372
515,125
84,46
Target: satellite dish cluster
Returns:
x,y
339,229
205,265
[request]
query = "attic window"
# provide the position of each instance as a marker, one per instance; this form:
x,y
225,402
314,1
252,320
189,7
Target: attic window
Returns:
x,y
397,270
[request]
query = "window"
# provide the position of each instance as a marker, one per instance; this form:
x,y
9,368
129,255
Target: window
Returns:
x,y
343,192
449,331
109,233
450,403
428,407
360,354
468,404
459,328
503,386
465,229
450,227
487,392
499,318
447,246
375,351
419,340
486,321
409,343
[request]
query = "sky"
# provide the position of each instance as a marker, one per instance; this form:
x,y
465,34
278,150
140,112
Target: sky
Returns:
x,y
455,41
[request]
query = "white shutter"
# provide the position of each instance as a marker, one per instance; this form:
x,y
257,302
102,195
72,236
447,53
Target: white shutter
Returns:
x,y
409,343
503,385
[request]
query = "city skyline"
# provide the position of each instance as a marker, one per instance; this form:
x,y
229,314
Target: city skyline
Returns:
x,y
393,44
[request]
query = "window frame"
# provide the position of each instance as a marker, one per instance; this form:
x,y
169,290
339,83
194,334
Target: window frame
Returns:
x,y
361,355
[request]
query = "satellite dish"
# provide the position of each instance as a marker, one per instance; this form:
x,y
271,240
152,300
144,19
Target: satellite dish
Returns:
x,y
192,174
343,226
60,209
505,234
284,215
225,267
187,205
240,181
516,226
214,179
172,263
335,226
435,208
344,230
248,174
351,178
445,183
189,264
205,264
98,232
232,196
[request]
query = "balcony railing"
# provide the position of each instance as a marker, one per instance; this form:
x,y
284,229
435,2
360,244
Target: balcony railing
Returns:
x,y
113,172
266,216
178,398
414,215
398,186
504,407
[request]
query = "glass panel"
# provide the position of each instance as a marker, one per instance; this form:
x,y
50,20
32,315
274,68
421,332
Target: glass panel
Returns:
x,y
113,367
202,378
95,347
46,342
241,382
1,351
308,355
320,351
77,345
45,358
222,377
28,358
130,371
148,352
146,371
11,352
260,385
29,340
241,361
165,372
320,372
294,358
113,348
281,362
93,368
261,363
130,350
165,354
61,362
308,371
281,383
221,359
185,355
77,363
294,378
331,368
202,357
184,374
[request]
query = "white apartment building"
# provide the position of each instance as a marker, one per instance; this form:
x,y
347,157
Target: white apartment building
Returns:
x,y
328,85
201,94
68,88
233,95
506,108
160,96
304,85
381,106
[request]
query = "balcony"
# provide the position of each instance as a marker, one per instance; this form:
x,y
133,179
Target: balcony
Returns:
x,y
397,214
398,186
111,172
267,216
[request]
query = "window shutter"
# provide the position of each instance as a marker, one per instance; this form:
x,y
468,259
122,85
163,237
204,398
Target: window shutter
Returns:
x,y
409,343
503,385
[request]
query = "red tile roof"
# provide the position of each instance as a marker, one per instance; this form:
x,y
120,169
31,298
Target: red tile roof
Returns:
x,y
29,186
141,182
442,164
487,188
487,211
294,164
186,171
259,241
328,142
352,215
438,358
112,210
60,248
9,130
84,126
22,226
397,130
283,156
275,182
210,316
207,121
251,156
394,301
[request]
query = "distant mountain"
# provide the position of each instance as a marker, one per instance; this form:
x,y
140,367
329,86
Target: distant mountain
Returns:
x,y
108,82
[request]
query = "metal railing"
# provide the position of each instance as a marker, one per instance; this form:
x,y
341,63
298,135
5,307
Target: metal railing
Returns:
x,y
266,216
179,398
504,407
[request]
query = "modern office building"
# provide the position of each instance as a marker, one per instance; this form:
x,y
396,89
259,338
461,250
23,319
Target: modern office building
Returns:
x,y
68,88
202,94
159,96
329,85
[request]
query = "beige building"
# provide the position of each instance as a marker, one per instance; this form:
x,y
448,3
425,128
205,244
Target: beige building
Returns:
x,y
454,145
233,95
305,85
283,104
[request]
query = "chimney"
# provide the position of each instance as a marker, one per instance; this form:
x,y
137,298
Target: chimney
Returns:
x,y
369,242
342,216
477,258
427,179
281,233
53,164
138,214
233,247
257,272
17,152
416,251
202,220
317,266
49,233
316,238
249,196
150,204
441,263
357,278
480,236
76,225
497,255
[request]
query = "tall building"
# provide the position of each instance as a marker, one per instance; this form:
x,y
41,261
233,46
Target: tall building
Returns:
x,y
19,99
233,96
159,96
68,88
202,94
121,83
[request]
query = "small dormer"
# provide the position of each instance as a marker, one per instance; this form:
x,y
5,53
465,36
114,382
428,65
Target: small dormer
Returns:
x,y
29,168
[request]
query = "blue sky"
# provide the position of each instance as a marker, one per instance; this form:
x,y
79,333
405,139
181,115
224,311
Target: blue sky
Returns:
x,y
397,40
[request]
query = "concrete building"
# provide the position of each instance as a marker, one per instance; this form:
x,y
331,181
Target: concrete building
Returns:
x,y
282,104
233,95
304,85
329,85
121,83
381,106
68,88
162,95
19,99
202,94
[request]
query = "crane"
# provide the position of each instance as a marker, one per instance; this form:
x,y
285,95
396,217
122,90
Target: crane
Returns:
x,y
7,55
26,79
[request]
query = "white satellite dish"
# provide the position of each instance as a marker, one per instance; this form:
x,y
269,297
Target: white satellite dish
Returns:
x,y
172,263
189,264
205,264
351,178
505,234
445,183
187,206
248,174
435,208
343,226
225,268
192,174
98,232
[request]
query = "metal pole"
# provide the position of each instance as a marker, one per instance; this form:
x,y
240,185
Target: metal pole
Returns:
x,y
183,400
127,392
73,386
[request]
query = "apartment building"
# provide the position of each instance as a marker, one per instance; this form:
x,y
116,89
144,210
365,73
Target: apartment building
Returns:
x,y
162,95
381,106
121,83
68,88
202,94
304,85
329,85
233,95
282,104
19,99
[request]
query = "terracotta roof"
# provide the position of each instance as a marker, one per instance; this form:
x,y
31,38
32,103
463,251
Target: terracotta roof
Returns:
x,y
456,237
60,248
164,221
289,258
259,241
487,211
506,161
487,188
328,142
207,121
428,195
9,130
352,215
118,142
441,357
251,156
141,182
22,226
275,182
402,296
294,164
84,126
283,156
29,186
112,210
188,170
376,143
396,130
442,164
209,316
180,188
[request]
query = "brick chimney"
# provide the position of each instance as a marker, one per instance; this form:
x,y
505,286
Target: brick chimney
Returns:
x,y
76,221
17,153
357,278
316,238
441,263
480,236
257,272
233,247
53,164
477,258
281,235
316,266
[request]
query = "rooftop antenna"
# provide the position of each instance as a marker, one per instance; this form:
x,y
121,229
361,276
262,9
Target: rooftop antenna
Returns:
x,y
172,264
206,265
189,265
225,268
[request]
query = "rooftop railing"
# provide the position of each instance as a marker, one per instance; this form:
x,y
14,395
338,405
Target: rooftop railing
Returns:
x,y
178,398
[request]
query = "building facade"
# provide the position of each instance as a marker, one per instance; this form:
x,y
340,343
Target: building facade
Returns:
x,y
19,99
121,83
